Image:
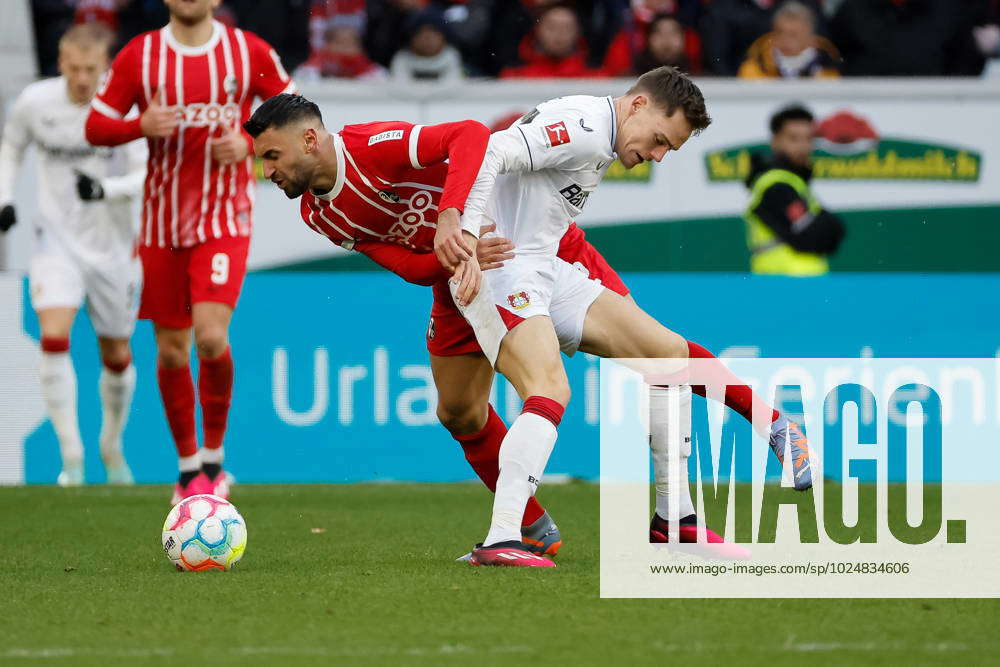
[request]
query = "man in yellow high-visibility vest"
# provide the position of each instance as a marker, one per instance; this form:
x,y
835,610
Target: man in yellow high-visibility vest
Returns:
x,y
788,231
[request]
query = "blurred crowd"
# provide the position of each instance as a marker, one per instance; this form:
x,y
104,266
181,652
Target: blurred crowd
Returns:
x,y
446,40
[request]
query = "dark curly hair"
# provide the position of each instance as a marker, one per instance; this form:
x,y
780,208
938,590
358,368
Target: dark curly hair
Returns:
x,y
279,111
671,89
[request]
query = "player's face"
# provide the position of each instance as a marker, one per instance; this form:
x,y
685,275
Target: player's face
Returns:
x,y
82,68
287,157
795,141
191,11
648,133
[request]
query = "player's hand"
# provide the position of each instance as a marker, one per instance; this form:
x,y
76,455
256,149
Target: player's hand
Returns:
x,y
158,121
492,251
468,276
449,246
7,217
231,147
88,188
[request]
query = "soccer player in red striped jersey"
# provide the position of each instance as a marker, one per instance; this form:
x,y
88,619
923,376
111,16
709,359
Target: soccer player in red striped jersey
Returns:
x,y
381,189
194,81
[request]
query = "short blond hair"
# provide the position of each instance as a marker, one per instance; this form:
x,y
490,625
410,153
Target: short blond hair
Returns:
x,y
88,36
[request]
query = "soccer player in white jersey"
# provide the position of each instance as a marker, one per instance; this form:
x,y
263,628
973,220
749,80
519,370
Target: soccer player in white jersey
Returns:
x,y
535,179
85,243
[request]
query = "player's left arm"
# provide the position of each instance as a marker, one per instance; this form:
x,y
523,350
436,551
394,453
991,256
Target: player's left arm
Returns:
x,y
462,144
413,267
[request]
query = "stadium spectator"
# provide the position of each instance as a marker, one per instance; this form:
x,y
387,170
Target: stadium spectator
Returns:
x,y
385,30
788,231
341,57
99,11
469,28
906,37
554,49
730,27
687,12
792,49
665,45
323,12
427,56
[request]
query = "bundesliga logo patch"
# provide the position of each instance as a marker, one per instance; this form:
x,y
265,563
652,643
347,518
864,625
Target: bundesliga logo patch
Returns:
x,y
557,134
519,300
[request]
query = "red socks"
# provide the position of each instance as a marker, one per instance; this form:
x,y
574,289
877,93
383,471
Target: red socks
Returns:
x,y
739,396
544,407
55,345
177,392
482,451
215,392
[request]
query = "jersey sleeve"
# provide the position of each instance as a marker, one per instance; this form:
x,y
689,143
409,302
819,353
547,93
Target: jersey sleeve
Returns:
x,y
107,124
269,75
463,145
561,139
16,138
413,267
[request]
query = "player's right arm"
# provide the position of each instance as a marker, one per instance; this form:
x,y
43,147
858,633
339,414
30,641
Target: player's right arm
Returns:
x,y
16,138
107,124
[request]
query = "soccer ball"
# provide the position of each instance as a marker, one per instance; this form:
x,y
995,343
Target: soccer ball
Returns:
x,y
204,532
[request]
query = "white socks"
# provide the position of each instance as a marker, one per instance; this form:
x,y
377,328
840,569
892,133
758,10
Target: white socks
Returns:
x,y
190,463
670,442
58,381
210,455
523,454
116,391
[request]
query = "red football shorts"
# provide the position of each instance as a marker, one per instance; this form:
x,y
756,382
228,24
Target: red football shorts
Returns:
x,y
175,278
449,334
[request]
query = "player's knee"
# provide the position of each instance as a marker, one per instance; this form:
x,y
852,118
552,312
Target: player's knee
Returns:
x,y
211,341
553,385
461,419
115,353
674,346
172,351
172,357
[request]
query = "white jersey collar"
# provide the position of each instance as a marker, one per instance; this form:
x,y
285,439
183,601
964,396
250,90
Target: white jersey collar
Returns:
x,y
185,50
614,123
338,147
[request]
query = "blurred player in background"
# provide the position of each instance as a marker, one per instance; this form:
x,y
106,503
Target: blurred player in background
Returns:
x,y
85,243
194,81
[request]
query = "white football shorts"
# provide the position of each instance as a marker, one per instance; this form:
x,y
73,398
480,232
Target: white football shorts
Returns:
x,y
528,286
57,280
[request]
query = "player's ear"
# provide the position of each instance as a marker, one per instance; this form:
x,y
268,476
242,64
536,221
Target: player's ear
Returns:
x,y
310,139
639,102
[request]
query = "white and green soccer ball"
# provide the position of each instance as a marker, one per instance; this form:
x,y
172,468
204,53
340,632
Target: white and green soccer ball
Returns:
x,y
204,532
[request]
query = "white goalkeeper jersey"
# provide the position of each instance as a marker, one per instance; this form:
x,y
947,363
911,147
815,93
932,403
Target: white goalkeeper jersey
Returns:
x,y
537,174
91,232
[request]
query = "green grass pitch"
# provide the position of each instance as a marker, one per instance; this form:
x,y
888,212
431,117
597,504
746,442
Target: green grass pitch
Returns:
x,y
83,581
